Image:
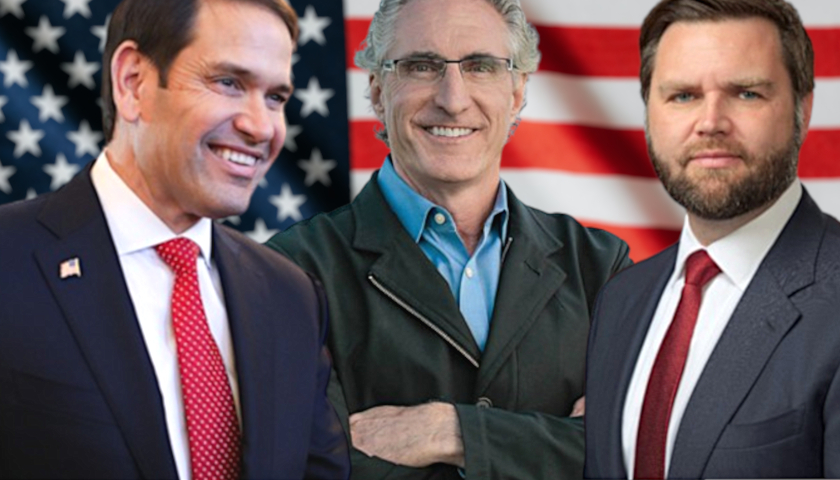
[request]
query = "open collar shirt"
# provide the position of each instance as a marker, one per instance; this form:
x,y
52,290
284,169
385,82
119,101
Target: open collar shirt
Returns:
x,y
474,279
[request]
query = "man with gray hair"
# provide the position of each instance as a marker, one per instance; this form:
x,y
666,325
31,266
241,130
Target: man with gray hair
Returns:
x,y
459,315
720,357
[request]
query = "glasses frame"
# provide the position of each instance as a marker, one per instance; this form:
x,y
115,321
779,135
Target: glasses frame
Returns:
x,y
390,65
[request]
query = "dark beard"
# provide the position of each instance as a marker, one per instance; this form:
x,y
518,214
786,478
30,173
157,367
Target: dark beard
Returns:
x,y
773,175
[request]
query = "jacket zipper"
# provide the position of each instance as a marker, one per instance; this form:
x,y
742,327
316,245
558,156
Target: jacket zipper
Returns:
x,y
423,319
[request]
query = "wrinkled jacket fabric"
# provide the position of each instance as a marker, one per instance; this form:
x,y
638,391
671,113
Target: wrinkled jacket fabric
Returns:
x,y
398,338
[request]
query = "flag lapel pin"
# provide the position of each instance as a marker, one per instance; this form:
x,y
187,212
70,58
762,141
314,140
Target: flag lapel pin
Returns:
x,y
70,268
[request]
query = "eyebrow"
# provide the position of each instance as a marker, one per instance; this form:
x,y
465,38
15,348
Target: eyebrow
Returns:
x,y
248,75
428,54
738,84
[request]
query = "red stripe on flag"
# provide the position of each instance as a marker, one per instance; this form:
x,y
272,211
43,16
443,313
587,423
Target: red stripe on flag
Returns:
x,y
578,149
590,150
607,52
569,148
643,242
596,52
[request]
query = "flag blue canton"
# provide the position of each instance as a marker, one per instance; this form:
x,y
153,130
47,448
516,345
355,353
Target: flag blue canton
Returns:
x,y
50,118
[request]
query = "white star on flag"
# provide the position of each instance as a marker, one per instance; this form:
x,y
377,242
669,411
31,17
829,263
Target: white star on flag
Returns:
x,y
26,139
45,35
5,173
76,6
14,70
3,101
61,171
80,71
261,233
317,169
31,193
11,6
85,139
49,105
287,203
314,98
101,32
292,131
312,27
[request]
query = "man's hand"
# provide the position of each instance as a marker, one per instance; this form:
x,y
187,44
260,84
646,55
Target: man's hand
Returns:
x,y
579,408
416,436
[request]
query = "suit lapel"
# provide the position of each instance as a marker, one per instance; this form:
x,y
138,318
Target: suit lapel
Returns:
x,y
638,313
403,270
244,290
98,309
528,279
760,321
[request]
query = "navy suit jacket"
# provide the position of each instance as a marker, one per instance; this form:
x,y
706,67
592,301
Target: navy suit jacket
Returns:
x,y
78,393
768,401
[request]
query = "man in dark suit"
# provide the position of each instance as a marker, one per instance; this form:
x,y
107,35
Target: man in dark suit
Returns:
x,y
459,314
720,357
137,338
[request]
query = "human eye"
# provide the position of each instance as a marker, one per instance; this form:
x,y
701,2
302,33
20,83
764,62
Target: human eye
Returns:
x,y
749,95
681,97
227,84
484,66
420,69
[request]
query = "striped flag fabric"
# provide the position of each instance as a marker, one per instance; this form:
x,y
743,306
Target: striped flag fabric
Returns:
x,y
580,148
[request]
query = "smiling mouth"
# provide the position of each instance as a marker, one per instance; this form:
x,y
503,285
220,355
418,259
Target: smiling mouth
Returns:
x,y
449,132
236,157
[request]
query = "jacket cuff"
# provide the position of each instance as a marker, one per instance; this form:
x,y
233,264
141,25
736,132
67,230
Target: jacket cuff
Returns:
x,y
474,437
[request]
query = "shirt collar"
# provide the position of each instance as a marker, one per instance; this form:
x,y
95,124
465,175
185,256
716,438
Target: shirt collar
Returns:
x,y
740,253
132,223
414,210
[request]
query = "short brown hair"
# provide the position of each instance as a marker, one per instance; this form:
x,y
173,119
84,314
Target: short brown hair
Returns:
x,y
162,28
797,50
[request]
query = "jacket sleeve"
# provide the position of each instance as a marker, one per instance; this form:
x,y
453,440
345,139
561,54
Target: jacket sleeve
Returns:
x,y
328,458
500,444
372,468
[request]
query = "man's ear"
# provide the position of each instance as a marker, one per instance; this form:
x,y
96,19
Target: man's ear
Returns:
x,y
375,82
128,72
520,82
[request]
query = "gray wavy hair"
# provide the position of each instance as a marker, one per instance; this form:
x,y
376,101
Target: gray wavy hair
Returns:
x,y
523,38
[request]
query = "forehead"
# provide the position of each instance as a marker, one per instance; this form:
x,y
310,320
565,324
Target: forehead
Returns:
x,y
737,47
222,27
450,28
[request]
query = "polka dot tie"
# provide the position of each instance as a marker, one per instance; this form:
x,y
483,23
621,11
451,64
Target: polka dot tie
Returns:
x,y
212,426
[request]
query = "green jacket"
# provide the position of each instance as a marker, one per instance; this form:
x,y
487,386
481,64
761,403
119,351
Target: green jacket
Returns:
x,y
398,338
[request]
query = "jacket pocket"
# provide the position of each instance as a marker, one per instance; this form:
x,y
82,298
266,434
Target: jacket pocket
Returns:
x,y
765,432
59,398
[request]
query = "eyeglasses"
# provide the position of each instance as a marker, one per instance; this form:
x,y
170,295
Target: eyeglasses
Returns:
x,y
478,69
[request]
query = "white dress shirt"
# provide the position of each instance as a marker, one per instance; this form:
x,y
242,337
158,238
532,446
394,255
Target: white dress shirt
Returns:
x,y
135,230
738,255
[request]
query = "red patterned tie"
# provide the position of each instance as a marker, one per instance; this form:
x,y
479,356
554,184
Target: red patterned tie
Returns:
x,y
668,369
212,426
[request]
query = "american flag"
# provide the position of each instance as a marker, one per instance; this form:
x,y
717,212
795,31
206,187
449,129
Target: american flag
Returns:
x,y
580,148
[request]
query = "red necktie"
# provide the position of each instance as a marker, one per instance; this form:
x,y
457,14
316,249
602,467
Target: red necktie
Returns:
x,y
212,425
668,369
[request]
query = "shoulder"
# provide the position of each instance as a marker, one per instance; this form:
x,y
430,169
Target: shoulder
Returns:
x,y
337,225
587,243
255,257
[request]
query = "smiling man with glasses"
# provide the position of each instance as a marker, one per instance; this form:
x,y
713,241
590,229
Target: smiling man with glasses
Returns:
x,y
459,316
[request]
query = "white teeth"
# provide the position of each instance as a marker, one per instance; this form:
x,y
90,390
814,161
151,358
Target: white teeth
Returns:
x,y
238,158
449,132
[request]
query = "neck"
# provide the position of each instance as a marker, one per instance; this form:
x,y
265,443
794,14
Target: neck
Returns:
x,y
124,164
709,231
469,204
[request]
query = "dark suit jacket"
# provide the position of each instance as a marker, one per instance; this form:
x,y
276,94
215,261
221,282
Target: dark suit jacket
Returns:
x,y
768,401
78,393
398,337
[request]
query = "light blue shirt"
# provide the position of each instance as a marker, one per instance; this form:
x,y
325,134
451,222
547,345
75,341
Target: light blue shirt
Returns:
x,y
473,280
